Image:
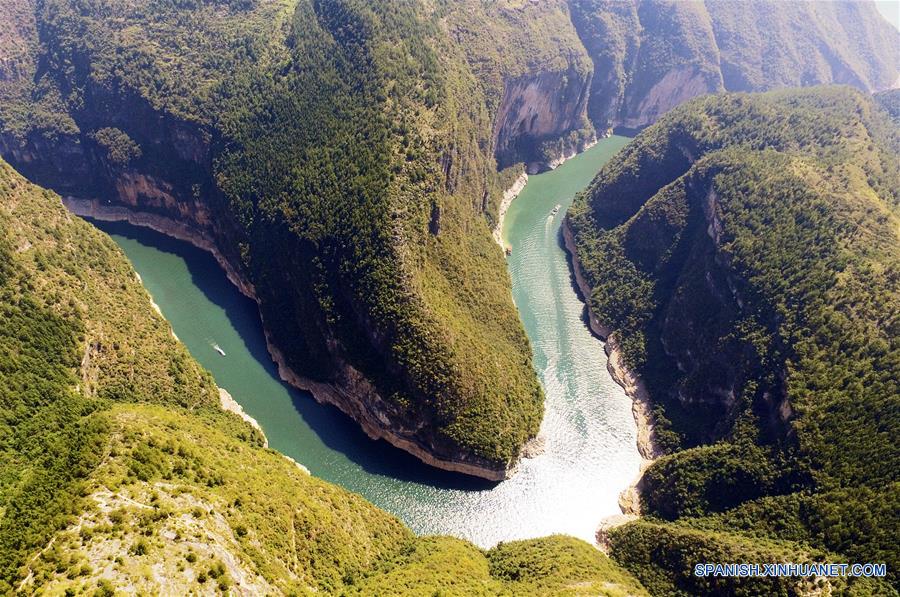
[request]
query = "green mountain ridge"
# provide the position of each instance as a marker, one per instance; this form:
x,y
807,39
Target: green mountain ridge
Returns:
x,y
342,157
119,472
328,154
346,159
744,252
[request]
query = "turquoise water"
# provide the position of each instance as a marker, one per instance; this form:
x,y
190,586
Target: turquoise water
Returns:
x,y
590,451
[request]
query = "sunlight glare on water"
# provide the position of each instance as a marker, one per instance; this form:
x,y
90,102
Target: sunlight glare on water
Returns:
x,y
590,453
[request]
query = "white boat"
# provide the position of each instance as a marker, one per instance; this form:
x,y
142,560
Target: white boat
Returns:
x,y
218,349
555,210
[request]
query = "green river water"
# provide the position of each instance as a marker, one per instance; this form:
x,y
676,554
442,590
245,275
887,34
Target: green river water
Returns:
x,y
590,453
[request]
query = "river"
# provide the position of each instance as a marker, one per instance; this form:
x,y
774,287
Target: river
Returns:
x,y
590,453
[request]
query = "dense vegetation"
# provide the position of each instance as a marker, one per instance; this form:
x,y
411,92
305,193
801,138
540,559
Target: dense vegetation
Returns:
x,y
745,251
339,153
526,55
341,156
650,56
54,271
118,470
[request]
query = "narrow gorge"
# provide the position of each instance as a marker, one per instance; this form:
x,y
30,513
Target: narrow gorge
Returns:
x,y
372,162
588,426
448,297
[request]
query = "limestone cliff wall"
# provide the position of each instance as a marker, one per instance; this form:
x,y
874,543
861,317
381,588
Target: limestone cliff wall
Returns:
x,y
652,55
541,108
348,389
647,57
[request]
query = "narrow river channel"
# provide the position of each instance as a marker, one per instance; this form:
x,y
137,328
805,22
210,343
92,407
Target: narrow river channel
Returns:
x,y
590,451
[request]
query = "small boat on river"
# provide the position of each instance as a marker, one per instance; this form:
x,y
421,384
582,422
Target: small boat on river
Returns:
x,y
555,210
218,349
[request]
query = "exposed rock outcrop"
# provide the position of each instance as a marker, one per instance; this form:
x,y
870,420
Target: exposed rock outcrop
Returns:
x,y
675,87
228,403
537,113
641,406
651,55
354,395
181,166
351,392
105,211
606,525
345,307
509,195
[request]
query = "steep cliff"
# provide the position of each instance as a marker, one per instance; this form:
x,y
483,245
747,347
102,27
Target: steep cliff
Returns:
x,y
338,157
742,253
651,55
119,473
537,113
536,75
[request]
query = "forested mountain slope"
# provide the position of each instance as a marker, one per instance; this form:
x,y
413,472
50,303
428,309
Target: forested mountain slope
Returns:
x,y
744,255
341,156
535,72
118,470
651,55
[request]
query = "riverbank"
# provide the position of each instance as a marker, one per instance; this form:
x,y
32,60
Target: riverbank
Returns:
x,y
509,195
371,423
228,403
589,453
634,386
347,400
95,209
568,155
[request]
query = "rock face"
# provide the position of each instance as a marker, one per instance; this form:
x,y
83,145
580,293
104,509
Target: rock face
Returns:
x,y
675,87
651,55
536,75
347,389
340,283
536,109
172,176
347,193
509,195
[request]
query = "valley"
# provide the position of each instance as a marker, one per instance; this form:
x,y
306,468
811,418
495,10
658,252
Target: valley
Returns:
x,y
588,442
384,297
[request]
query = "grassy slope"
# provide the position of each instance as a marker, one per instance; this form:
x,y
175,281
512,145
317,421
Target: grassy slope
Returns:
x,y
118,469
76,334
802,186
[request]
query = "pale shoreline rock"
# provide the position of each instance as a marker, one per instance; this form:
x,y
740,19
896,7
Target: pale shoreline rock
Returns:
x,y
630,497
509,195
534,447
633,385
300,466
350,404
574,151
606,525
228,403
